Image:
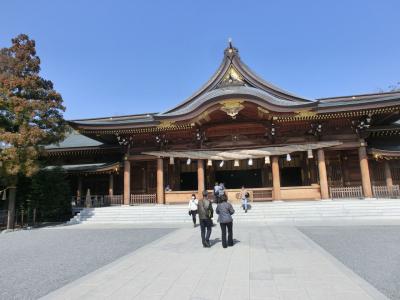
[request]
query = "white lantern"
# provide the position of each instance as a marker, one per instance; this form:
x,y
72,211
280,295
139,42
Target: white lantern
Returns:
x,y
188,161
236,163
309,153
221,164
250,161
171,160
267,160
209,162
288,158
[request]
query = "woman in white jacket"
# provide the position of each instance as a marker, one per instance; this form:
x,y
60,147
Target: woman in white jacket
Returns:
x,y
193,202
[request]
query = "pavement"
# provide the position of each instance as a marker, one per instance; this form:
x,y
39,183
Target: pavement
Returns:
x,y
36,262
266,262
370,251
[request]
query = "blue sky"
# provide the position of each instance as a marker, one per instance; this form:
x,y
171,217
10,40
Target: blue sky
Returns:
x,y
125,57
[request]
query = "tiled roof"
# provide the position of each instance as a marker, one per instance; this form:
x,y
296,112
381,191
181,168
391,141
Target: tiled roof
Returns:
x,y
74,140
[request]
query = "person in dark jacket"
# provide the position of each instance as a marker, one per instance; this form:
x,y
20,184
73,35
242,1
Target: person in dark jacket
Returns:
x,y
205,211
225,212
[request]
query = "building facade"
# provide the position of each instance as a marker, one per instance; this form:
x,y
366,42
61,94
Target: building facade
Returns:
x,y
240,130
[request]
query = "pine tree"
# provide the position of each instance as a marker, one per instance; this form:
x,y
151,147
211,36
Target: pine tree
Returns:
x,y
30,113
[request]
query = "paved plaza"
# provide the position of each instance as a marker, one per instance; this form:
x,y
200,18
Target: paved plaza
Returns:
x,y
36,262
266,262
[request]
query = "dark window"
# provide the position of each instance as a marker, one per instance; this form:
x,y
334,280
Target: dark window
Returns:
x,y
291,176
235,179
189,181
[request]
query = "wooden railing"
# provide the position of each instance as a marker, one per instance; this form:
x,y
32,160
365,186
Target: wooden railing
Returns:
x,y
346,192
258,195
262,195
382,191
97,201
113,200
143,199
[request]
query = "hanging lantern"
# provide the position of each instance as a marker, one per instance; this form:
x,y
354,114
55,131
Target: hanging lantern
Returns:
x,y
267,160
221,164
188,161
288,158
236,163
309,153
171,160
4,198
250,161
209,162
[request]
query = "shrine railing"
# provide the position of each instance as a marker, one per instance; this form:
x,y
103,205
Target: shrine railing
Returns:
x,y
114,200
96,201
137,199
346,192
382,191
258,195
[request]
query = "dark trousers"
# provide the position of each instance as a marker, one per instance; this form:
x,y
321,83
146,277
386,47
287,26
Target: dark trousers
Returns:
x,y
194,212
205,224
224,226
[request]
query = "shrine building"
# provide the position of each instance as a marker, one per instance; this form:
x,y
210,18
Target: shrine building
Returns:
x,y
240,130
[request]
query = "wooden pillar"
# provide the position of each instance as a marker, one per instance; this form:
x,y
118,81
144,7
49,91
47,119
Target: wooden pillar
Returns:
x,y
323,179
111,184
160,181
11,207
276,181
388,177
127,182
365,177
200,177
79,189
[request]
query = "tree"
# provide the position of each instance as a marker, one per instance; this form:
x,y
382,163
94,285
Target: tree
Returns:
x,y
30,114
51,195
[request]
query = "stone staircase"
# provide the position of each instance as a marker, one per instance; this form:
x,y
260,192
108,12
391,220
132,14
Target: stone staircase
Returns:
x,y
293,211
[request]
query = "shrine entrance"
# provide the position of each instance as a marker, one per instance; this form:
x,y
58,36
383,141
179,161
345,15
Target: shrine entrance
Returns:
x,y
235,179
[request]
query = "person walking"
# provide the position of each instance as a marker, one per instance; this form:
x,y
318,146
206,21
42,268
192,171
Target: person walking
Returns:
x,y
244,195
225,212
216,192
193,203
206,212
221,192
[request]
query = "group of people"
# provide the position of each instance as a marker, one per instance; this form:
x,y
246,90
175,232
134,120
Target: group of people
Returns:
x,y
224,209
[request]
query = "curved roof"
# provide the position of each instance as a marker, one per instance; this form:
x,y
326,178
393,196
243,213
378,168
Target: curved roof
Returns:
x,y
233,72
252,93
234,79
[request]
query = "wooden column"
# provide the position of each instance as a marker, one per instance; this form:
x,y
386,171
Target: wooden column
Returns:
x,y
388,177
111,184
276,181
12,191
323,179
79,189
200,177
127,182
160,181
365,178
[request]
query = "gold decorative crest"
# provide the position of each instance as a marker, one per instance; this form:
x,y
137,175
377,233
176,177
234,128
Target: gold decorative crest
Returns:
x,y
232,77
166,124
305,113
232,107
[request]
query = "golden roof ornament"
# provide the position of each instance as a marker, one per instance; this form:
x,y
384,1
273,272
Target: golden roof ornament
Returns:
x,y
232,107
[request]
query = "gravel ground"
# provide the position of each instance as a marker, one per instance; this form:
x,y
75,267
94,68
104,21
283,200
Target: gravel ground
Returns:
x,y
370,251
36,262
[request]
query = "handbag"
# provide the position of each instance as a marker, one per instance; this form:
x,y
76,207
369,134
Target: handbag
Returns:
x,y
190,212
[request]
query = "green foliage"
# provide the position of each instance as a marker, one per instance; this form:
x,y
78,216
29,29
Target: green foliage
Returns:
x,y
50,194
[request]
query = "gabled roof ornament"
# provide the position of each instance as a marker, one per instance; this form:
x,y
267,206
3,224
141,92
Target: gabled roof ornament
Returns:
x,y
231,51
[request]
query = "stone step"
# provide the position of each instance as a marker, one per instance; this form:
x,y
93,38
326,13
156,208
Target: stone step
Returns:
x,y
260,212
